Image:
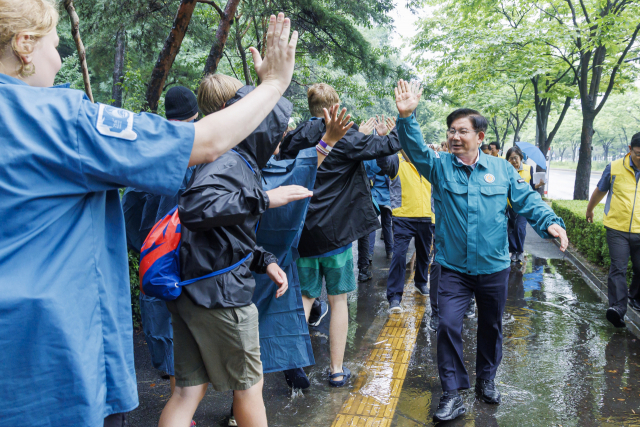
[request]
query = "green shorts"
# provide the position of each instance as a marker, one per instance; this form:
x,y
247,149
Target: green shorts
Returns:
x,y
220,346
337,271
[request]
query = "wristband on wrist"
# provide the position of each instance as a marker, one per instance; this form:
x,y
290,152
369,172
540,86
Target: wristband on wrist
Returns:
x,y
325,146
321,150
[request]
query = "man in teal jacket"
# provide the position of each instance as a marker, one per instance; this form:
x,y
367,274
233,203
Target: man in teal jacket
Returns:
x,y
470,190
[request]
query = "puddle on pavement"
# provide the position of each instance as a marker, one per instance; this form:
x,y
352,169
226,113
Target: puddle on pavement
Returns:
x,y
563,364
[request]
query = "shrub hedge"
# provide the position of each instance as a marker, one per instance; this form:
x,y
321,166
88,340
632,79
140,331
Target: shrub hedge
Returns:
x,y
134,283
589,238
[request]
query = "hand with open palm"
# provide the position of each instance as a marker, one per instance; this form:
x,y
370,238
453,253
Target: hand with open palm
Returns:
x,y
407,97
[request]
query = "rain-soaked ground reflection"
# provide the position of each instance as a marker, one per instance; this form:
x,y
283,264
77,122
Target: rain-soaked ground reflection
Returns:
x,y
563,364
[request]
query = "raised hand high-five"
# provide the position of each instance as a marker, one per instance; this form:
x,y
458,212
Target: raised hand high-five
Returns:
x,y
407,97
336,129
391,123
381,127
276,68
337,125
368,126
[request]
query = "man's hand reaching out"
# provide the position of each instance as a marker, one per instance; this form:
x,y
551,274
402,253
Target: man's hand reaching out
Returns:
x,y
280,196
278,277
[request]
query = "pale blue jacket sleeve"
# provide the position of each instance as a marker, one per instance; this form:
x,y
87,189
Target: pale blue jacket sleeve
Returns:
x,y
423,158
118,148
530,205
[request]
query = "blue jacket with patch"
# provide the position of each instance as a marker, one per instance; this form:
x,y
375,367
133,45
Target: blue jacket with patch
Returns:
x,y
471,232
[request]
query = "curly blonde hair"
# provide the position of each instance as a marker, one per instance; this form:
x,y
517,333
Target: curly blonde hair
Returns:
x,y
35,18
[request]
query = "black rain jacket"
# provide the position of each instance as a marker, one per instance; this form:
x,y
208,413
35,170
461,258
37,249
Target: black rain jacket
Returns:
x,y
341,209
219,212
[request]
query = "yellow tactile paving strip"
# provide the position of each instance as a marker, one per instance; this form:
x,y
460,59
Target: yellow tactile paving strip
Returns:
x,y
375,396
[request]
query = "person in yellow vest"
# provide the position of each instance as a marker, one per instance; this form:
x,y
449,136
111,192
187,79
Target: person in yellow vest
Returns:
x,y
494,148
622,222
413,217
518,223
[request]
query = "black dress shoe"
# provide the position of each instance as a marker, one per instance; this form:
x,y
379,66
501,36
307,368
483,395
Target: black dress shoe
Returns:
x,y
422,288
486,390
449,408
635,304
615,317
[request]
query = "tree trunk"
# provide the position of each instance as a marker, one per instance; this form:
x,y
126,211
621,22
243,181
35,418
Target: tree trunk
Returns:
x,y
169,52
118,68
243,55
583,171
82,56
221,37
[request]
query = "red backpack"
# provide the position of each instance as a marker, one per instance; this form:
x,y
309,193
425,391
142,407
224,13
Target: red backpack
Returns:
x,y
160,258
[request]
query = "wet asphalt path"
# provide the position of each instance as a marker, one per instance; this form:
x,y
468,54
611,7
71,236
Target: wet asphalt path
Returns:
x,y
563,364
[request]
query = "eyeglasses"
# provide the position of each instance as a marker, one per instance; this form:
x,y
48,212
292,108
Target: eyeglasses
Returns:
x,y
461,132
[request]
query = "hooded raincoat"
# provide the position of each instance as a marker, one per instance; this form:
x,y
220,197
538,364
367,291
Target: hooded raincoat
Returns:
x,y
284,333
219,212
341,210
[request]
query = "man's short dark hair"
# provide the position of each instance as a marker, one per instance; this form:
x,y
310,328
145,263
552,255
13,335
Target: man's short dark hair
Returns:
x,y
495,144
635,140
478,121
484,147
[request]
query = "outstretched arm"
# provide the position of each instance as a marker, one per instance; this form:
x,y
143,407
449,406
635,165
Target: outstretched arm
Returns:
x,y
413,145
219,132
528,203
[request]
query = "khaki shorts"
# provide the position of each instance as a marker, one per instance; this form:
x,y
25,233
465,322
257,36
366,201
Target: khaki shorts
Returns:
x,y
220,346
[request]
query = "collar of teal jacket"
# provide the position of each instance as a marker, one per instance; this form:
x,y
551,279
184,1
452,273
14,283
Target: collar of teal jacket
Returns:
x,y
471,230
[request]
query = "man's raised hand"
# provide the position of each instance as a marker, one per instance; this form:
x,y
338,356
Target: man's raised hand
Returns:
x,y
407,97
276,68
337,125
381,127
368,126
391,123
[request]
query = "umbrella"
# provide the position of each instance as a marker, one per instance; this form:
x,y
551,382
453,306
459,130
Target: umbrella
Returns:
x,y
533,153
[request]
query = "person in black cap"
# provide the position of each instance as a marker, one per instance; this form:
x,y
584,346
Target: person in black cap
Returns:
x,y
142,211
180,104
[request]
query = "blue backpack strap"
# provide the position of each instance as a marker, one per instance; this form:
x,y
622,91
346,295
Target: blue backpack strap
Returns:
x,y
216,273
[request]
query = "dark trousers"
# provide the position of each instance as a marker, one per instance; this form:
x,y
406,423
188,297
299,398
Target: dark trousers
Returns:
x,y
115,420
363,252
366,244
453,299
387,232
404,229
434,279
517,231
621,246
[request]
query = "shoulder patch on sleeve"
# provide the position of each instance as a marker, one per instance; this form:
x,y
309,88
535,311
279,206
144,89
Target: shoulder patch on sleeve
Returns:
x,y
521,181
437,154
116,122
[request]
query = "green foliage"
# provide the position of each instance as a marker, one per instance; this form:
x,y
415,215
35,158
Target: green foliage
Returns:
x,y
70,72
589,238
134,281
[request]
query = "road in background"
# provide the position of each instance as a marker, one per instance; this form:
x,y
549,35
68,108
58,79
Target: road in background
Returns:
x,y
561,183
